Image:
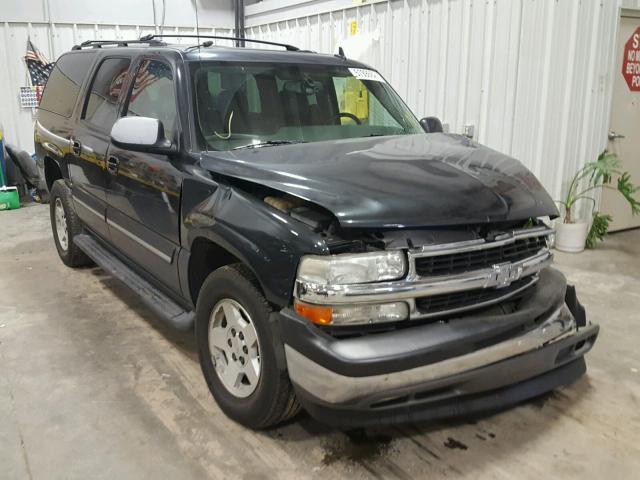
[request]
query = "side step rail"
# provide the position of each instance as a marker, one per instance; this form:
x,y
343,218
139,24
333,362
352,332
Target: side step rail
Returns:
x,y
161,304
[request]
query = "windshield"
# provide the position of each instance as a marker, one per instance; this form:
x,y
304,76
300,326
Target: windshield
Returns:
x,y
240,106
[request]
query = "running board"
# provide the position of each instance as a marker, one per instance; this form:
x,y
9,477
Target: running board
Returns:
x,y
167,309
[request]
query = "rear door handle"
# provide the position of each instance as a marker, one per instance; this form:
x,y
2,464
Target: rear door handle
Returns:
x,y
112,165
76,147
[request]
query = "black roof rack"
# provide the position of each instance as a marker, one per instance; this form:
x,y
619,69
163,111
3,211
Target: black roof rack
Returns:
x,y
153,40
118,43
290,48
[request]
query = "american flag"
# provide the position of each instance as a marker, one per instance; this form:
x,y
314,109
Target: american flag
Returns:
x,y
38,66
150,71
116,85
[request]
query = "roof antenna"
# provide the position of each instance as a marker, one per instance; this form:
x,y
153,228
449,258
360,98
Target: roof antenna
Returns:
x,y
341,53
195,4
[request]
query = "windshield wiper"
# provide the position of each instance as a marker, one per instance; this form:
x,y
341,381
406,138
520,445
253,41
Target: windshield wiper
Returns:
x,y
268,143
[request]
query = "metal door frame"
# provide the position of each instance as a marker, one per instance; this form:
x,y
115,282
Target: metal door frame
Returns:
x,y
623,12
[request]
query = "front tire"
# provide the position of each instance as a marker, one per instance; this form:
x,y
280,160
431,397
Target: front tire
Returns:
x,y
237,350
65,225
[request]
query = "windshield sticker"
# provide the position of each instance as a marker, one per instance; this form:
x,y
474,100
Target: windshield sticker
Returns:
x,y
364,74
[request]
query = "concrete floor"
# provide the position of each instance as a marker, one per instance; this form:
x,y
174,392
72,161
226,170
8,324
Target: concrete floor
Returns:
x,y
93,386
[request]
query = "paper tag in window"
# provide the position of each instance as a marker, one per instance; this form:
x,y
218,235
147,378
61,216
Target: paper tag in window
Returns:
x,y
364,74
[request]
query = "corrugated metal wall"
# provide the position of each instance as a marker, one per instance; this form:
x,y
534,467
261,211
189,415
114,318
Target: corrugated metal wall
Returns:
x,y
52,40
533,76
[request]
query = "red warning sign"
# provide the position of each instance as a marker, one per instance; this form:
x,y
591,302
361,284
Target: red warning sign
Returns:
x,y
631,61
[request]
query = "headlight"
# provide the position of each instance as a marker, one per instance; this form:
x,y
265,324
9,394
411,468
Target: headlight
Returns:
x,y
347,269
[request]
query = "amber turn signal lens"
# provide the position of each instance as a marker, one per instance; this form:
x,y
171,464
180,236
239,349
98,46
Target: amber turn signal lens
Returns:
x,y
319,315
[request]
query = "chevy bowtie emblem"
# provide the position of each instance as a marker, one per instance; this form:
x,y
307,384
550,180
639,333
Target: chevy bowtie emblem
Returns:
x,y
506,273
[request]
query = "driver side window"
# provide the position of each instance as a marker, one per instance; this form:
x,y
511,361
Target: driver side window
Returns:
x,y
153,95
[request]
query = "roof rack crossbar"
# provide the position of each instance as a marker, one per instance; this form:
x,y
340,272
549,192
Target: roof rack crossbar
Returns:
x,y
288,47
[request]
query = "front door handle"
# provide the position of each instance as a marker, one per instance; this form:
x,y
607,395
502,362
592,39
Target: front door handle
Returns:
x,y
112,165
76,147
613,135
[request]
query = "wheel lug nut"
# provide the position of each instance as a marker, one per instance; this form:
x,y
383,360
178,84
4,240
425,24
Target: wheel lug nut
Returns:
x,y
242,360
241,335
245,349
229,342
233,332
233,355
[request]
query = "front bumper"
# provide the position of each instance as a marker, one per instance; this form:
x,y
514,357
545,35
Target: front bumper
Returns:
x,y
466,365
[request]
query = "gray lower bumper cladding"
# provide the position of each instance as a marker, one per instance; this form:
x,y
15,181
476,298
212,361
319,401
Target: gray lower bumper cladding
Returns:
x,y
494,376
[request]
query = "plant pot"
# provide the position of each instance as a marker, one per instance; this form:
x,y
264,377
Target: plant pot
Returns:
x,y
570,237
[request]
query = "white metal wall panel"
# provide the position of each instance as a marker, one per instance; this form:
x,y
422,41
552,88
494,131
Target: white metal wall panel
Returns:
x,y
17,121
118,12
533,76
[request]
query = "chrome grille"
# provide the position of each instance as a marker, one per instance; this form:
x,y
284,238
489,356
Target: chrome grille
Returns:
x,y
465,261
460,301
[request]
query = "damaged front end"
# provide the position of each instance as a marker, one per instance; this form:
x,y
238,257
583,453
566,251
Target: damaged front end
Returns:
x,y
405,324
419,324
375,277
437,279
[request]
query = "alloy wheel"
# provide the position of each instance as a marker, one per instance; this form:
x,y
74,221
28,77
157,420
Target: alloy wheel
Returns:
x,y
234,348
61,225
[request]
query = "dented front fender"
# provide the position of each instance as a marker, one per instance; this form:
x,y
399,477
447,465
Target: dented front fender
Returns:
x,y
269,242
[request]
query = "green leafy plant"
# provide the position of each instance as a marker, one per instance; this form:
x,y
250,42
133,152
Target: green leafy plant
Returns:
x,y
592,177
599,229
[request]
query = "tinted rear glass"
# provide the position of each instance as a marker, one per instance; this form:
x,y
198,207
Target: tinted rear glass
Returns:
x,y
102,103
64,83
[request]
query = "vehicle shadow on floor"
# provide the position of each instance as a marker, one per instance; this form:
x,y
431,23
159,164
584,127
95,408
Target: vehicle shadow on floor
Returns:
x,y
461,445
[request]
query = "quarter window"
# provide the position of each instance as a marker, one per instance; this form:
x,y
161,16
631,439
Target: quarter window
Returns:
x,y
102,102
153,95
64,83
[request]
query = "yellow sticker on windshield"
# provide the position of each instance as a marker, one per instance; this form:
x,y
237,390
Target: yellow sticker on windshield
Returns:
x,y
365,74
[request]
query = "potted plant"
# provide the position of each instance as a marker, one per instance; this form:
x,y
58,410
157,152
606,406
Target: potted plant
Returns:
x,y
574,233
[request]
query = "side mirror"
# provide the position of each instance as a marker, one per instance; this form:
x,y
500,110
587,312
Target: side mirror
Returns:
x,y
431,125
141,134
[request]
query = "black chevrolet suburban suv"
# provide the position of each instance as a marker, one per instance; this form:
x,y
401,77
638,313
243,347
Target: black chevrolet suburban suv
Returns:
x,y
329,250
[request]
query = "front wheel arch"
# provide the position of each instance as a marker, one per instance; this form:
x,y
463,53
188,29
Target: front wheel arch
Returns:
x,y
206,256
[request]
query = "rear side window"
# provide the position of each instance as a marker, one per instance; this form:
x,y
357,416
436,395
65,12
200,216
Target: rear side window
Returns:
x,y
153,95
101,104
65,82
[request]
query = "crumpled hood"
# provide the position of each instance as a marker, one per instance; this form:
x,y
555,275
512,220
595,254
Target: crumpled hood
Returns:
x,y
403,181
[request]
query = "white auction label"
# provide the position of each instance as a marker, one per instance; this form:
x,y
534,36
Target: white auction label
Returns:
x,y
364,74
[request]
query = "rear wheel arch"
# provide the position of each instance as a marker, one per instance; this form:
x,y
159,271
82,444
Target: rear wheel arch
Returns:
x,y
66,225
52,172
